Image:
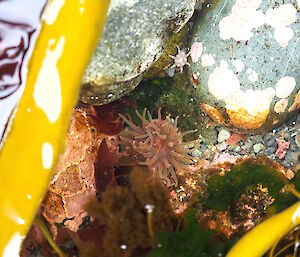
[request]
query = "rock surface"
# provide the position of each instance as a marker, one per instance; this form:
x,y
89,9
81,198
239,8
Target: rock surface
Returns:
x,y
123,55
73,182
247,75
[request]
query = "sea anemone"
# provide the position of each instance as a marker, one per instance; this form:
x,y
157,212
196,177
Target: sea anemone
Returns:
x,y
157,144
180,60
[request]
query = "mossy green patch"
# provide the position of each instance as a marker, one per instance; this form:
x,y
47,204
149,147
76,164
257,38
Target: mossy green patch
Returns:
x,y
223,190
193,241
174,96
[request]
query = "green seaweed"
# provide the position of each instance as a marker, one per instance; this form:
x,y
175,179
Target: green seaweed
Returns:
x,y
223,190
193,241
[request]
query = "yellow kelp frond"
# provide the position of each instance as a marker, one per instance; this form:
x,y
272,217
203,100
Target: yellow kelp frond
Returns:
x,y
68,37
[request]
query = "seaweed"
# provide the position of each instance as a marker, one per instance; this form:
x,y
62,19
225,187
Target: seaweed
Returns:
x,y
124,214
223,191
193,241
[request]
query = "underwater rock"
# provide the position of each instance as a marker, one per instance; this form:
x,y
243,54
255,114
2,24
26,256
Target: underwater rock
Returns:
x,y
174,96
224,134
89,151
73,179
248,72
165,62
123,55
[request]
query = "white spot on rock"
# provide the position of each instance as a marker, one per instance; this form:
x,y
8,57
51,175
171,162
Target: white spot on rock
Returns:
x,y
47,155
257,101
47,91
283,35
252,75
195,77
222,82
285,86
238,64
196,51
282,16
253,101
281,105
224,85
129,3
243,18
207,60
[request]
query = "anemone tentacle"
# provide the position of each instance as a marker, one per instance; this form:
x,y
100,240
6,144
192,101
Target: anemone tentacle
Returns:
x,y
159,144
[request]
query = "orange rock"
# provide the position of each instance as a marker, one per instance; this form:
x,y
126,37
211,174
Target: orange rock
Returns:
x,y
73,183
296,104
213,113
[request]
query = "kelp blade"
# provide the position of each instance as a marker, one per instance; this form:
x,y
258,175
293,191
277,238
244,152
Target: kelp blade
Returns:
x,y
66,42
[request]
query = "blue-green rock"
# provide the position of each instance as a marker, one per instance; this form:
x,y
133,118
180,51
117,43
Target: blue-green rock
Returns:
x,y
245,56
134,37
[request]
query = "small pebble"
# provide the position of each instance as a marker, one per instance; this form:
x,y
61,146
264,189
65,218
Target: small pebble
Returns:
x,y
257,138
170,72
231,147
272,156
286,163
287,137
290,156
209,136
268,136
224,134
258,147
290,174
271,142
269,151
222,146
293,146
237,149
197,153
248,144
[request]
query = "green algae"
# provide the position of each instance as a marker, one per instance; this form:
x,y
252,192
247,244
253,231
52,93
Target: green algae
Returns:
x,y
223,190
194,241
174,96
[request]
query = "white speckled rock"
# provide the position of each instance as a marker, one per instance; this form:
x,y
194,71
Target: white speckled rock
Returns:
x,y
223,135
248,74
133,39
258,147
